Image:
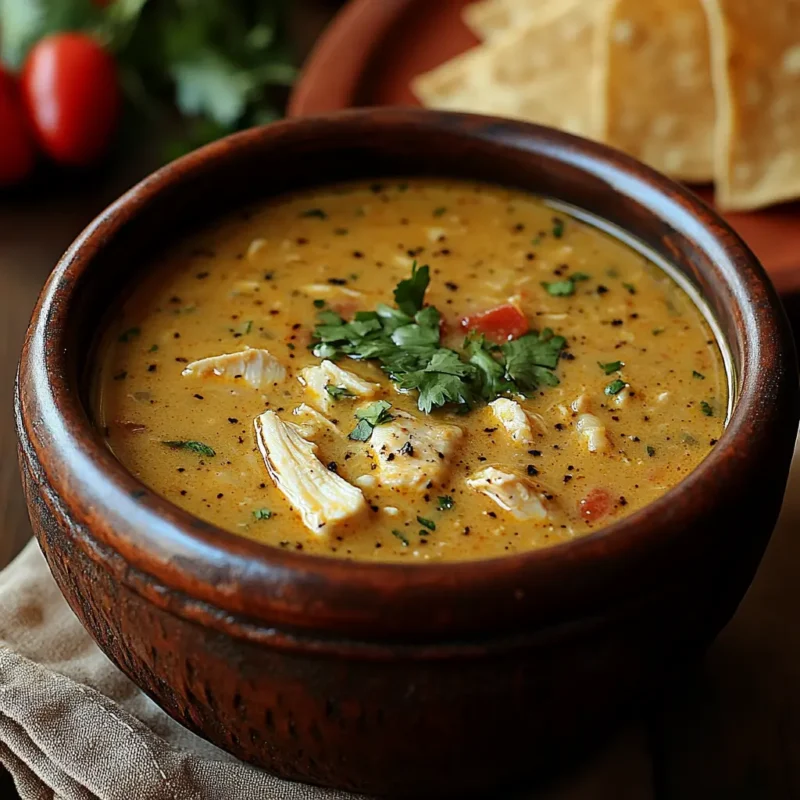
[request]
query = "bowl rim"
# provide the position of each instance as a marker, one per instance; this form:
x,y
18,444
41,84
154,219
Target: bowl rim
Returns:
x,y
225,571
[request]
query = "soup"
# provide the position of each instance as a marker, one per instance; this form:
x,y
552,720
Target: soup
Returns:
x,y
409,371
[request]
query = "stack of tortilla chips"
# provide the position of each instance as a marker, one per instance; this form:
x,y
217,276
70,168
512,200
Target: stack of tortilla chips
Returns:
x,y
702,90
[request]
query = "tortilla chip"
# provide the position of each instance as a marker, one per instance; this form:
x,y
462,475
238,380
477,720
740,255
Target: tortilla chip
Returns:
x,y
755,56
487,18
657,99
541,72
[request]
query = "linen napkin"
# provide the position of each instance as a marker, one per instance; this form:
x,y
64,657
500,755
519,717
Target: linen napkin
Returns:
x,y
73,727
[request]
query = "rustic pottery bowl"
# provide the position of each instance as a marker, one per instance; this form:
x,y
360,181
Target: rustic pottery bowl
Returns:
x,y
388,679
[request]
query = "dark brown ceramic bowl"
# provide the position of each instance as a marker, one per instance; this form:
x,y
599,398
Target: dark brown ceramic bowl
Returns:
x,y
391,679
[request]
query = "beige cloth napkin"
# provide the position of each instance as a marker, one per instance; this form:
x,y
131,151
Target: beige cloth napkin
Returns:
x,y
73,727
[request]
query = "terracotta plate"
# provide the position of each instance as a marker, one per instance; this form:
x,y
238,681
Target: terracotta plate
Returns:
x,y
373,48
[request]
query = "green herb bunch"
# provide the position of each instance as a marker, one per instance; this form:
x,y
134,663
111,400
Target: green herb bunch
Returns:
x,y
406,341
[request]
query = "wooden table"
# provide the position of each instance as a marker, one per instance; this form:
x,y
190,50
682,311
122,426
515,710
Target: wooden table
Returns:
x,y
728,730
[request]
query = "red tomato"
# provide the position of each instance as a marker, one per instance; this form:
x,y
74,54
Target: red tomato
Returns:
x,y
499,324
596,504
17,150
70,89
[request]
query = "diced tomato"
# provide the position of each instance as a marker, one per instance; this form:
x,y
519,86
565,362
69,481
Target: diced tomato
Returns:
x,y
500,324
596,504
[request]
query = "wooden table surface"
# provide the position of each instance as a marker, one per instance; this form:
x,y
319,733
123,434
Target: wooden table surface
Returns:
x,y
728,730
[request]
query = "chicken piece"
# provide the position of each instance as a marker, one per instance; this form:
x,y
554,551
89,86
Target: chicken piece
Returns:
x,y
592,429
511,492
413,453
310,424
325,501
315,379
257,368
513,417
581,404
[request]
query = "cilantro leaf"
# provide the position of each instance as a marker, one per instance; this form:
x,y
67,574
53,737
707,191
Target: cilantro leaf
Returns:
x,y
129,334
262,513
410,293
559,288
611,366
401,536
558,227
361,432
314,212
706,408
375,413
338,392
615,387
698,375
427,523
445,502
194,447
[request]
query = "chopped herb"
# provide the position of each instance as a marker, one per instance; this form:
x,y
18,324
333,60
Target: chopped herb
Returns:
x,y
579,276
706,408
262,513
438,212
560,288
615,387
611,366
314,212
194,447
129,334
612,272
248,326
318,303
658,331
153,348
401,536
446,503
536,240
651,451
406,342
698,375
427,523
630,287
290,346
369,418
558,227
341,231
410,293
338,392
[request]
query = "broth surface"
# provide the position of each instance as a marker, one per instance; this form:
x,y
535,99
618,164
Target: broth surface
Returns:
x,y
639,360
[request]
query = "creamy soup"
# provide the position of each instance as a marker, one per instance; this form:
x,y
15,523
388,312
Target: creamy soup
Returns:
x,y
409,371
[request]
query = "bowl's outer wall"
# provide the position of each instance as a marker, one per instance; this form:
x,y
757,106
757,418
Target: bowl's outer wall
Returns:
x,y
400,680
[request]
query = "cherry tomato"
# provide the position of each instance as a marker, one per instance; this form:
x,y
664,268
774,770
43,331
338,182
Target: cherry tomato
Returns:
x,y
499,324
595,505
17,149
71,92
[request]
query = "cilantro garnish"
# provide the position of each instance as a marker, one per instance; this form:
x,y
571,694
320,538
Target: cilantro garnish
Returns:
x,y
706,408
560,288
338,392
194,447
410,293
401,536
314,212
262,513
153,348
319,303
698,375
651,451
615,387
406,342
438,212
558,227
611,366
446,503
579,276
427,523
369,418
658,331
630,287
129,334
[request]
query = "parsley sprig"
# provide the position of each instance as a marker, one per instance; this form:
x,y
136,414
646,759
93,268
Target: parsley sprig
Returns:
x,y
406,341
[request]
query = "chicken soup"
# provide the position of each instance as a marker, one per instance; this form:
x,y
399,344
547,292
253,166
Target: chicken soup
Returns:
x,y
409,371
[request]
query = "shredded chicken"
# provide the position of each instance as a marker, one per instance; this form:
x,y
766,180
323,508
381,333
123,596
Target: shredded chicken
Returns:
x,y
413,453
311,424
324,500
512,416
257,368
594,432
315,379
511,492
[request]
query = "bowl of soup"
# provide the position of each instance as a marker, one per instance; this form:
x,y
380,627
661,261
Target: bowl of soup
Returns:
x,y
401,451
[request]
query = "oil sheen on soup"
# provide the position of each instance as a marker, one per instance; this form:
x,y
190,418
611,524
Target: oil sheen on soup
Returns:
x,y
409,370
